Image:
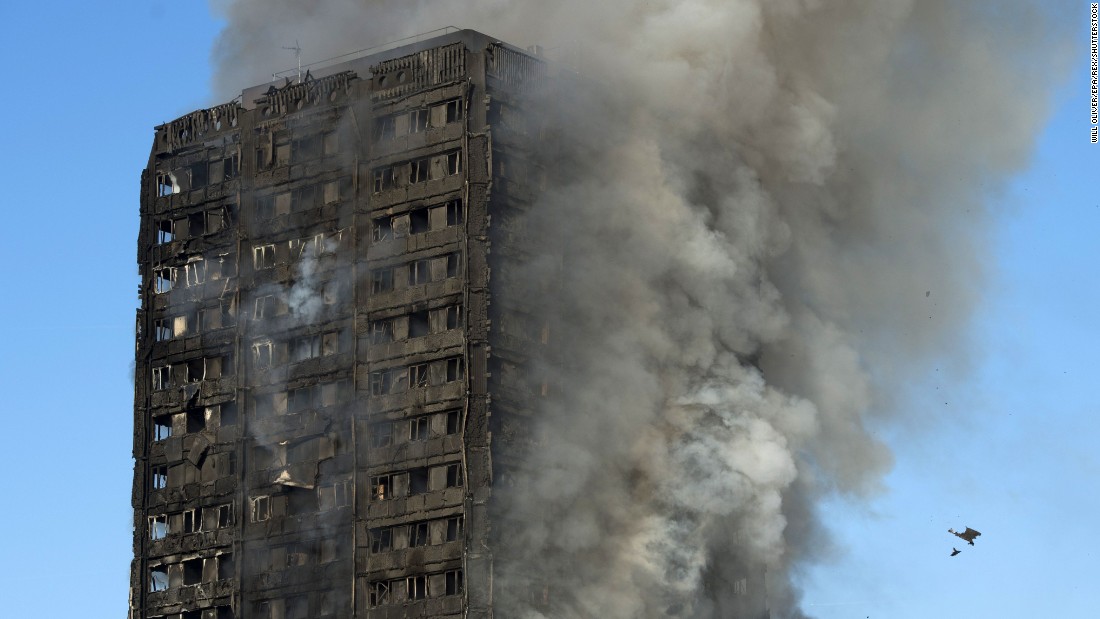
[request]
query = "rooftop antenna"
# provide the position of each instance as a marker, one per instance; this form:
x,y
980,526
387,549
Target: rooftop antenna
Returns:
x,y
297,54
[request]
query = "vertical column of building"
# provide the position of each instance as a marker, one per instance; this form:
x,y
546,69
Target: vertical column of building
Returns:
x,y
297,351
186,422
412,372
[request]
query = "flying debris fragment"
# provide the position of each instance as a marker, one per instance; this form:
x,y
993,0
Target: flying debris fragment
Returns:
x,y
968,535
955,551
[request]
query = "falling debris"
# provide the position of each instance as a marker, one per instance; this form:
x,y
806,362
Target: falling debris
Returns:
x,y
968,535
955,551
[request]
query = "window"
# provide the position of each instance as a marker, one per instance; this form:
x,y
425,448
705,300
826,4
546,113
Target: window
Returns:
x,y
192,572
299,399
199,177
194,273
420,272
419,170
454,110
418,120
454,163
417,587
305,347
381,331
226,567
158,474
334,495
381,434
419,221
162,427
382,487
265,207
262,354
381,280
165,185
378,593
418,375
454,528
386,128
383,179
330,143
453,582
381,229
162,377
381,540
162,329
331,192
453,260
263,256
454,213
419,428
456,369
454,422
162,279
418,481
224,515
454,476
165,231
260,508
192,523
158,526
158,578
264,307
418,534
381,382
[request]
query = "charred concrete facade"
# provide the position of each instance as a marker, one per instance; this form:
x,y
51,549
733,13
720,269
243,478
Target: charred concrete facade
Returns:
x,y
319,337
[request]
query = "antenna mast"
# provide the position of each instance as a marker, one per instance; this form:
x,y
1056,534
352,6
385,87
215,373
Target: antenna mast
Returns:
x,y
298,55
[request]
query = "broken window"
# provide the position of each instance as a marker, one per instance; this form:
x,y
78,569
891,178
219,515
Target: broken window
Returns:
x,y
381,434
381,229
417,587
194,272
158,526
198,175
158,578
418,221
453,262
162,427
305,347
456,369
418,534
453,476
282,148
453,582
385,128
418,375
264,307
420,272
162,279
330,292
331,192
196,419
260,508
306,148
162,377
158,476
454,110
419,324
381,540
299,399
384,179
418,481
330,343
381,331
454,529
165,231
419,428
192,572
162,329
418,120
378,593
381,280
419,170
265,207
165,185
263,256
453,317
262,354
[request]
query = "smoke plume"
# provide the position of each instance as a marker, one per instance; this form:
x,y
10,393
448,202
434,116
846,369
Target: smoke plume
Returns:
x,y
773,213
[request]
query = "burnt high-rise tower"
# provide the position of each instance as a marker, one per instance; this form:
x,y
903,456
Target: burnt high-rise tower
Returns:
x,y
316,349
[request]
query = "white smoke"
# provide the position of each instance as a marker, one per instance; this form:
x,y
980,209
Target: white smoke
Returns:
x,y
755,196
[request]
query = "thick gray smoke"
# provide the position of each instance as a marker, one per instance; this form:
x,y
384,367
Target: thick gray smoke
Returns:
x,y
774,214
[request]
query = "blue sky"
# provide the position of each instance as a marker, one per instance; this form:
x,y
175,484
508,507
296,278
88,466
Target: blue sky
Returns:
x,y
1010,449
